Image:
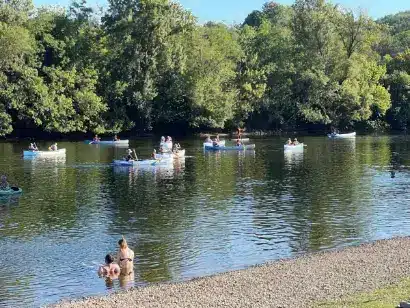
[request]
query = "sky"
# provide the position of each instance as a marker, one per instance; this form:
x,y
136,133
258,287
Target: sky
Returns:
x,y
231,11
235,11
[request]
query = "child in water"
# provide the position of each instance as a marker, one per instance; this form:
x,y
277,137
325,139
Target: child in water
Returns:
x,y
110,268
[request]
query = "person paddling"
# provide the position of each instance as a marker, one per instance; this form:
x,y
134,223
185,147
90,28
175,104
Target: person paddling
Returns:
x,y
96,138
53,147
129,155
33,147
289,141
116,138
295,141
4,184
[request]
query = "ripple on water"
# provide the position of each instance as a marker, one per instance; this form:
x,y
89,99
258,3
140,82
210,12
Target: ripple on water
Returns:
x,y
211,213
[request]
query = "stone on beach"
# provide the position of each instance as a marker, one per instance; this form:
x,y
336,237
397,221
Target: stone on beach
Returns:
x,y
299,282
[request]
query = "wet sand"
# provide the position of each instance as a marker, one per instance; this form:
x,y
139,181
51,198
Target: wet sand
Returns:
x,y
299,282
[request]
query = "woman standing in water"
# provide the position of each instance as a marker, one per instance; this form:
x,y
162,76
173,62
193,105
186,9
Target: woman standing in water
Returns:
x,y
125,257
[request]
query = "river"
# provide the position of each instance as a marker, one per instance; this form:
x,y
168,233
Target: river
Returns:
x,y
206,214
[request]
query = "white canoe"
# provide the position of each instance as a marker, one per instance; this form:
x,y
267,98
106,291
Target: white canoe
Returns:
x,y
44,153
146,162
242,139
289,147
340,136
179,154
122,142
211,144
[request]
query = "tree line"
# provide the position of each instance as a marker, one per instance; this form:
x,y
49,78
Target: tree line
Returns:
x,y
144,65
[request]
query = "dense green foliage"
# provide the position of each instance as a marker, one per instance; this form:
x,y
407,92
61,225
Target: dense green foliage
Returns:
x,y
147,64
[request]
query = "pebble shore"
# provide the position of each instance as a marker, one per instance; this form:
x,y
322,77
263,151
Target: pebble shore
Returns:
x,y
299,282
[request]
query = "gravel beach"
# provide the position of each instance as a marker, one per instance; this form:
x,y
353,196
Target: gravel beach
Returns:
x,y
299,282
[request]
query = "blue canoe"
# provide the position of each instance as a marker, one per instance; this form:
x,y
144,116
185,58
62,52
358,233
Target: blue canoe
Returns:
x,y
118,142
232,148
11,191
143,163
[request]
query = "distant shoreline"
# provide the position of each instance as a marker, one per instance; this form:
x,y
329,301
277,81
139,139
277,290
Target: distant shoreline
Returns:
x,y
300,282
200,135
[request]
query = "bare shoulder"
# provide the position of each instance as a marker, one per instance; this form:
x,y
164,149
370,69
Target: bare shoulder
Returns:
x,y
116,268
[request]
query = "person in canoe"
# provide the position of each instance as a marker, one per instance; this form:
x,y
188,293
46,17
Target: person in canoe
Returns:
x,y
295,141
162,144
53,147
125,257
96,138
168,145
239,132
4,184
177,147
289,142
109,268
33,147
208,139
238,142
129,155
116,138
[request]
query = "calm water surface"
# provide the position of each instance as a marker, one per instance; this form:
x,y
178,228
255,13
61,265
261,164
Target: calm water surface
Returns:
x,y
209,213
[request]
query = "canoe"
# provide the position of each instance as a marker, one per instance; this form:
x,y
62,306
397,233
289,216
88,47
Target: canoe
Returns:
x,y
210,144
204,135
231,148
341,136
11,191
179,154
107,142
298,147
44,153
146,162
242,139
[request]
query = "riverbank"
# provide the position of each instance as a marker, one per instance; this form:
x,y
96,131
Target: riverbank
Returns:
x,y
301,282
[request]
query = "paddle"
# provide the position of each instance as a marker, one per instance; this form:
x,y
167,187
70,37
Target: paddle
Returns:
x,y
136,158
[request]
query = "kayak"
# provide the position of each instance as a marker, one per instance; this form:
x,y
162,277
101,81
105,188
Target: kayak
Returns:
x,y
231,148
179,154
107,142
145,162
210,144
11,191
340,136
44,153
242,139
289,147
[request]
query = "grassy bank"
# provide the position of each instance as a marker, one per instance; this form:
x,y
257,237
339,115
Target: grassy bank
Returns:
x,y
381,298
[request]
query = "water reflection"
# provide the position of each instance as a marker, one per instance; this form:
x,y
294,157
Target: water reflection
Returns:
x,y
293,158
207,213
